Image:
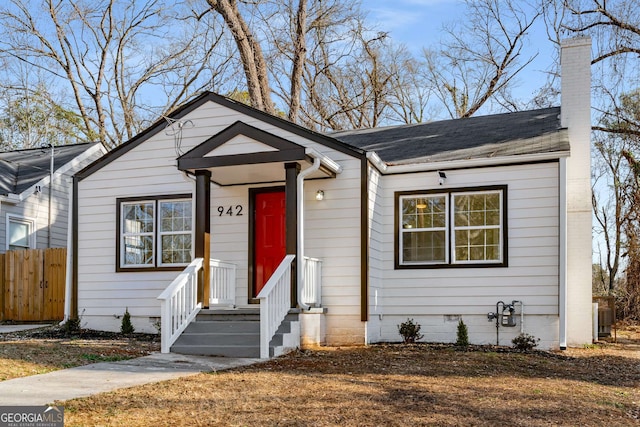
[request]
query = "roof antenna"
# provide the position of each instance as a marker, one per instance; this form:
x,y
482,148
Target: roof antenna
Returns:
x,y
174,128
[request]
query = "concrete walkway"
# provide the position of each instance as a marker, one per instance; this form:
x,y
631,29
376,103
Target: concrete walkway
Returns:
x,y
100,377
5,329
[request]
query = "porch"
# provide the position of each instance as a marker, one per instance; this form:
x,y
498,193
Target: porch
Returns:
x,y
214,326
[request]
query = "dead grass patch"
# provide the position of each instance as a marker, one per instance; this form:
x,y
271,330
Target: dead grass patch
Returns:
x,y
38,352
394,385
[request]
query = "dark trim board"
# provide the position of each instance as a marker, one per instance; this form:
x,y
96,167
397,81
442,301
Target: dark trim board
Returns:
x,y
449,228
155,198
74,252
364,239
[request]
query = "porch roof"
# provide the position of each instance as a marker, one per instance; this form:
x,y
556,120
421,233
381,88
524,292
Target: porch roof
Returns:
x,y
242,154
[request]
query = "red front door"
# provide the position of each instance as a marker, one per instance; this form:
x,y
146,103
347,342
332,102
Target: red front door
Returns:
x,y
269,235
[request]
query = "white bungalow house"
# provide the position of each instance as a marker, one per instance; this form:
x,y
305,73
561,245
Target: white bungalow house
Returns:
x,y
223,214
35,188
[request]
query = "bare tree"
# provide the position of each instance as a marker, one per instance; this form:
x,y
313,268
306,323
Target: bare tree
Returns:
x,y
481,57
615,29
111,55
252,58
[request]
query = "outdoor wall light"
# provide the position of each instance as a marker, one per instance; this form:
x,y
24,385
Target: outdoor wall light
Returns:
x,y
441,177
320,195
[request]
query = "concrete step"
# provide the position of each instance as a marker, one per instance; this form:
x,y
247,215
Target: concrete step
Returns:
x,y
225,326
239,314
211,338
231,333
219,350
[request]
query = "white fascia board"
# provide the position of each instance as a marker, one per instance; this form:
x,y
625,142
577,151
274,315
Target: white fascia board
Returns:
x,y
387,169
324,160
11,198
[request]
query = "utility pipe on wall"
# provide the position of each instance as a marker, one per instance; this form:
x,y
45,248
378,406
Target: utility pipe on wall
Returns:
x,y
300,255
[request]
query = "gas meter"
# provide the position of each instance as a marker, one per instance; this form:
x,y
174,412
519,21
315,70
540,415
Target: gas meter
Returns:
x,y
507,317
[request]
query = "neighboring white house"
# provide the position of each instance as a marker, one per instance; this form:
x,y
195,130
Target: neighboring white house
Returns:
x,y
436,221
35,187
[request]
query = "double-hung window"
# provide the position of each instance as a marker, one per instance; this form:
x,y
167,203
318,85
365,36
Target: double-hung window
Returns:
x,y
454,228
155,232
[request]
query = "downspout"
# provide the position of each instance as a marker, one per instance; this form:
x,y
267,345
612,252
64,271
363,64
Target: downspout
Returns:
x,y
300,255
562,267
51,166
68,276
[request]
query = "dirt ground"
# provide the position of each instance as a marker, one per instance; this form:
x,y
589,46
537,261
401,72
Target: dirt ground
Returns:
x,y
395,385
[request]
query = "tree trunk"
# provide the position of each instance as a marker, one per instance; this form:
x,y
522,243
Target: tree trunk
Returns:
x,y
251,55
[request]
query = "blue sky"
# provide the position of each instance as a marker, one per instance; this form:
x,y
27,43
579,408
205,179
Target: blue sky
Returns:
x,y
419,23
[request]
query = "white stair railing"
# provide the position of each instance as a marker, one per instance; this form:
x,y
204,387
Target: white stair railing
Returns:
x,y
222,283
179,304
311,288
275,302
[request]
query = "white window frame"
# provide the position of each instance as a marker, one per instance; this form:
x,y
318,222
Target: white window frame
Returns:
x,y
31,222
452,232
403,230
161,233
123,236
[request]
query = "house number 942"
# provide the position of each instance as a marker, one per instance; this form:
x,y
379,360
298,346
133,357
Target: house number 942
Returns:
x,y
231,210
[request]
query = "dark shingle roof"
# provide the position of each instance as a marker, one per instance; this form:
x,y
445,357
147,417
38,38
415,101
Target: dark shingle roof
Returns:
x,y
525,132
21,169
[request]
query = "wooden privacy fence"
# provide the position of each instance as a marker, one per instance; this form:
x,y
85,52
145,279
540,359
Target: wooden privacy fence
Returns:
x,y
32,284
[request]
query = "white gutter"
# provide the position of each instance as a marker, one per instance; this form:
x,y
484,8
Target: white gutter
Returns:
x,y
318,160
324,160
562,268
387,169
373,157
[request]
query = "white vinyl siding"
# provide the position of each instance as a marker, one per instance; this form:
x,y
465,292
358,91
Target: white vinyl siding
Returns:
x,y
532,231
332,231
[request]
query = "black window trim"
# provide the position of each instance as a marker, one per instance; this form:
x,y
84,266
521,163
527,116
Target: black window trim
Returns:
x,y
155,199
449,229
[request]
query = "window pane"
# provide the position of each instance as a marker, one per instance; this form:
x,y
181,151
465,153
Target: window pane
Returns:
x,y
175,229
176,249
477,231
175,216
138,218
424,246
138,250
477,245
19,235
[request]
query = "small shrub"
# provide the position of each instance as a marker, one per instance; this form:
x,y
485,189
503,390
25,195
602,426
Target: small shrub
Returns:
x,y
71,326
462,335
410,331
126,327
525,342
